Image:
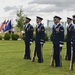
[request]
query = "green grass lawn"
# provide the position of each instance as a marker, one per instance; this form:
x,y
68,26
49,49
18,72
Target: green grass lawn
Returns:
x,y
12,62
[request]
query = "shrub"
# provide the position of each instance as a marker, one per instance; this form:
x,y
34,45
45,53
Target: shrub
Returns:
x,y
46,37
7,36
15,36
23,36
65,38
51,37
34,37
0,37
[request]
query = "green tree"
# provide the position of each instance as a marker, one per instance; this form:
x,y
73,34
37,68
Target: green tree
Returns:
x,y
20,19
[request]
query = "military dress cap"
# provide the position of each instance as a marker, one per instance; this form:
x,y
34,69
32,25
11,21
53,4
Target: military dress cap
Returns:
x,y
73,17
57,17
27,18
39,18
69,18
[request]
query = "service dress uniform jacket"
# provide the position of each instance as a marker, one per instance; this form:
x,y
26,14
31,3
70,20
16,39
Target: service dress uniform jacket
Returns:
x,y
57,39
73,42
69,39
39,41
28,38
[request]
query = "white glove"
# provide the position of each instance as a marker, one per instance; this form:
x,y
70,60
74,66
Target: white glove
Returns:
x,y
30,42
71,42
60,45
41,42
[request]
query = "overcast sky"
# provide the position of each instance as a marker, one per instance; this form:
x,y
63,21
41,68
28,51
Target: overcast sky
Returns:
x,y
32,8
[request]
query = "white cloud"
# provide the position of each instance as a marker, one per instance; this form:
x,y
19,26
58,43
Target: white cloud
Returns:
x,y
9,8
53,1
44,8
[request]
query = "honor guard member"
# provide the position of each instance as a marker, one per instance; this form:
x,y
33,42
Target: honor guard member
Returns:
x,y
57,39
39,39
73,38
28,37
69,38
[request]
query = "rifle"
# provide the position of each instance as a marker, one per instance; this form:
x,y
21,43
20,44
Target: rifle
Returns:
x,y
52,58
41,52
66,57
72,59
60,57
34,54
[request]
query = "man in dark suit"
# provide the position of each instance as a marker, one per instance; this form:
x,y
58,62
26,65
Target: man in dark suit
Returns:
x,y
39,39
28,37
69,38
73,38
57,39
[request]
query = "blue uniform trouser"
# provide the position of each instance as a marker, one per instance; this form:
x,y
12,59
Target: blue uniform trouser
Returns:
x,y
38,49
69,50
57,55
27,50
74,51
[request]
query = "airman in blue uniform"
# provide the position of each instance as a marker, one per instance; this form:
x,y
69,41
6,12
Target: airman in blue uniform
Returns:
x,y
39,39
57,39
28,38
69,37
73,38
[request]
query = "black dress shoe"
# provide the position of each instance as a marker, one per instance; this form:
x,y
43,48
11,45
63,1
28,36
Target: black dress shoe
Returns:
x,y
33,60
40,61
66,58
25,58
59,66
28,58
